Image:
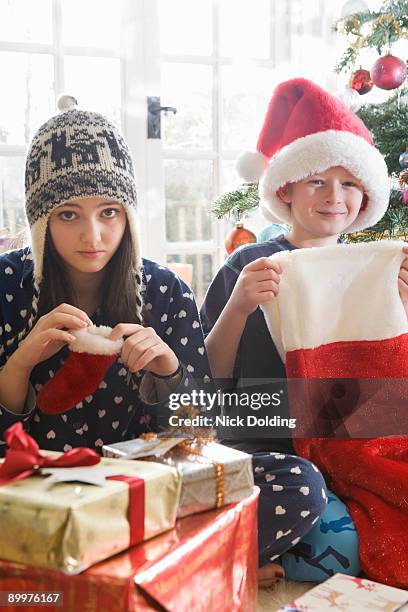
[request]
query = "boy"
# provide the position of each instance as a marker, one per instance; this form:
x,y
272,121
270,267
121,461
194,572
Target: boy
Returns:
x,y
324,177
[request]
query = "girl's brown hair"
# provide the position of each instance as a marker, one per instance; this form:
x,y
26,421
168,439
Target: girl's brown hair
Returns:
x,y
118,302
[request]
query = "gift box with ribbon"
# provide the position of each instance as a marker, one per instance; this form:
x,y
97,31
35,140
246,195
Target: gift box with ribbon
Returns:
x,y
349,594
69,511
213,475
207,562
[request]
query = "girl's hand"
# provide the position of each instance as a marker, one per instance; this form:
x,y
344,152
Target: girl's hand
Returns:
x,y
143,349
403,280
49,335
257,283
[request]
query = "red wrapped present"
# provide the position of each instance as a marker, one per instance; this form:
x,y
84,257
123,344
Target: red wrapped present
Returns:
x,y
207,562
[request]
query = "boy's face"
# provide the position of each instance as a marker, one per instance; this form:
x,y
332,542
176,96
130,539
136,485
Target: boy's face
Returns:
x,y
324,204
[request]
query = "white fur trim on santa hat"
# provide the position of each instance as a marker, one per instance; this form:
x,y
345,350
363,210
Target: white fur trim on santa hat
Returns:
x,y
95,341
250,165
316,153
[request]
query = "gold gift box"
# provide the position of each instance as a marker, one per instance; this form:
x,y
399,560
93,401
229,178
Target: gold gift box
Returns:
x,y
70,526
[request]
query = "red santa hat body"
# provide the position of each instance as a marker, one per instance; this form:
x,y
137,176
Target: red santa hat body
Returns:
x,y
306,131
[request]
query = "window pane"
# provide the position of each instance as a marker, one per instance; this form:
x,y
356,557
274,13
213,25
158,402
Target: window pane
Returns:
x,y
230,178
188,87
202,272
95,82
178,27
246,92
94,23
12,217
26,21
29,99
244,28
188,187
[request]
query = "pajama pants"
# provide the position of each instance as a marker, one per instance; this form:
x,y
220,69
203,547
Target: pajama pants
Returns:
x,y
300,523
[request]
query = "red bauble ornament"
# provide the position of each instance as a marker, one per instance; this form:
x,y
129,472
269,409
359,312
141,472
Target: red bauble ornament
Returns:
x,y
389,72
405,196
237,237
361,81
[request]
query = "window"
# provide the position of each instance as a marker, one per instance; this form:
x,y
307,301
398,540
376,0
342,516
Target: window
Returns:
x,y
220,61
44,50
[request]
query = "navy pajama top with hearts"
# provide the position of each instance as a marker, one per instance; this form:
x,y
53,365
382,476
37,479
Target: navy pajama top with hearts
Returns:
x,y
118,409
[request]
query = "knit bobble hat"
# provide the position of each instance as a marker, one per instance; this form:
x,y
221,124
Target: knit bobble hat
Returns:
x,y
306,131
74,155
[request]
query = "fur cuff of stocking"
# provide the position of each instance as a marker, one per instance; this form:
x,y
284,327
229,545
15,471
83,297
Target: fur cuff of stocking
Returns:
x,y
91,355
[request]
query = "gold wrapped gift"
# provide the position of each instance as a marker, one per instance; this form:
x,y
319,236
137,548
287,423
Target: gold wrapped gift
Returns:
x,y
71,525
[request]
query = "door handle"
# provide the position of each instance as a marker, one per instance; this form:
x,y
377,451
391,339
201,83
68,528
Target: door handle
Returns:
x,y
154,110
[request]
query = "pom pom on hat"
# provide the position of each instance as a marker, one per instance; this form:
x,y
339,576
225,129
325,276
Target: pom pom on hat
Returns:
x,y
66,102
251,165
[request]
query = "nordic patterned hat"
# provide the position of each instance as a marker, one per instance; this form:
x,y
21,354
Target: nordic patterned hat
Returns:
x,y
77,154
74,155
306,131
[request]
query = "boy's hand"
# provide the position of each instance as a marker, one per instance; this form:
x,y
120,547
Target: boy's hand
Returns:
x,y
403,280
257,283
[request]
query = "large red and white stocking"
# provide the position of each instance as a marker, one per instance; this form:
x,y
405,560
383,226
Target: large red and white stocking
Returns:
x,y
90,356
342,330
338,315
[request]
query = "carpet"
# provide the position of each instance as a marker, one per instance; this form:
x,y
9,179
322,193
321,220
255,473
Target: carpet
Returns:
x,y
273,598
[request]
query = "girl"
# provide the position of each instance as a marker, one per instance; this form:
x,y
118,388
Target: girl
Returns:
x,y
84,267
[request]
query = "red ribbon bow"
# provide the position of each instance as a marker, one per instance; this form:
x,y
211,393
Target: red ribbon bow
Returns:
x,y
23,458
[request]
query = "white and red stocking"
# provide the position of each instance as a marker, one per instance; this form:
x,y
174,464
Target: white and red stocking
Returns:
x,y
338,315
90,356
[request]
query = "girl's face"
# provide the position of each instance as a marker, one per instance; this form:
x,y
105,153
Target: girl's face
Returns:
x,y
87,232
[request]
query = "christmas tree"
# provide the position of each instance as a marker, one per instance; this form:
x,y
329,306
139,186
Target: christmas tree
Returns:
x,y
373,29
388,121
238,203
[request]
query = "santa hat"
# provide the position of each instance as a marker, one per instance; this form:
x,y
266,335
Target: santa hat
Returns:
x,y
306,131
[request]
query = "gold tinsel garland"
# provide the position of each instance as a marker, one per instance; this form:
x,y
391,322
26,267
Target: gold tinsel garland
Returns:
x,y
361,39
193,446
352,25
